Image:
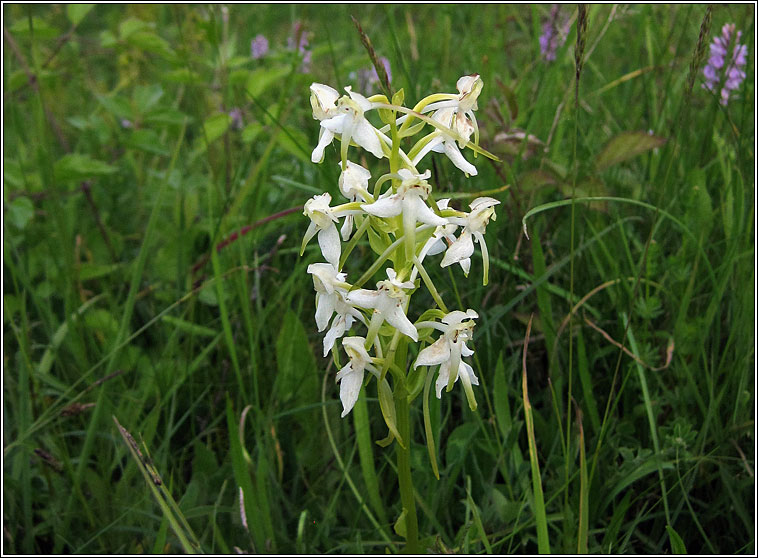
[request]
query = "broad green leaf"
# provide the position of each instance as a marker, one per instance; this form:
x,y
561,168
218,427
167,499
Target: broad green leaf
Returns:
x,y
130,26
236,61
117,106
79,167
166,116
251,131
146,140
215,126
400,524
77,12
625,146
108,39
147,96
20,211
260,79
150,42
677,544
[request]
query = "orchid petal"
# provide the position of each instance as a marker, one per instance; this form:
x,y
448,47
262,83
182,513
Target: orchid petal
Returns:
x,y
424,214
436,353
364,135
442,378
397,319
465,265
324,310
329,241
350,380
364,298
335,332
434,144
325,138
310,232
455,155
336,124
347,228
384,207
459,250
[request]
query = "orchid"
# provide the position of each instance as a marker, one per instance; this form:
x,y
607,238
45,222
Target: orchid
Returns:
x,y
353,184
443,142
440,240
455,112
474,224
388,303
351,124
323,103
404,213
457,328
328,283
465,103
322,219
409,200
350,376
330,298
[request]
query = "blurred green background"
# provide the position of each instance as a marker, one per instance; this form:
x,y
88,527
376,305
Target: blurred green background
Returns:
x,y
140,138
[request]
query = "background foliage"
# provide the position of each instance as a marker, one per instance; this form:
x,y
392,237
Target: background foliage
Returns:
x,y
123,169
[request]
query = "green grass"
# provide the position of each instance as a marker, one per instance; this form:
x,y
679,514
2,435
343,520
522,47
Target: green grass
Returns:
x,y
123,172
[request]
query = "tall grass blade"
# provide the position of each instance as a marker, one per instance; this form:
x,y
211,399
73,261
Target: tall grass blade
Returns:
x,y
170,509
540,515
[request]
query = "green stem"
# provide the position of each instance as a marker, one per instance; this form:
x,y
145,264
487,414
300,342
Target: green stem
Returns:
x,y
405,481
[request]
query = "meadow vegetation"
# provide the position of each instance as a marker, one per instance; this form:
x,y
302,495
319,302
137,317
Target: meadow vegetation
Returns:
x,y
160,359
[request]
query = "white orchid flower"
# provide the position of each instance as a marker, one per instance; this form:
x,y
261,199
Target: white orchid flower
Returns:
x,y
465,103
440,240
457,328
442,142
455,112
323,102
323,219
343,321
351,375
354,182
474,224
388,303
330,298
328,284
353,185
409,200
349,121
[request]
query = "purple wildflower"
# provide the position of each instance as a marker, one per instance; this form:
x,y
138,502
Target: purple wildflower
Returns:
x,y
368,77
258,47
236,116
552,37
715,71
299,40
